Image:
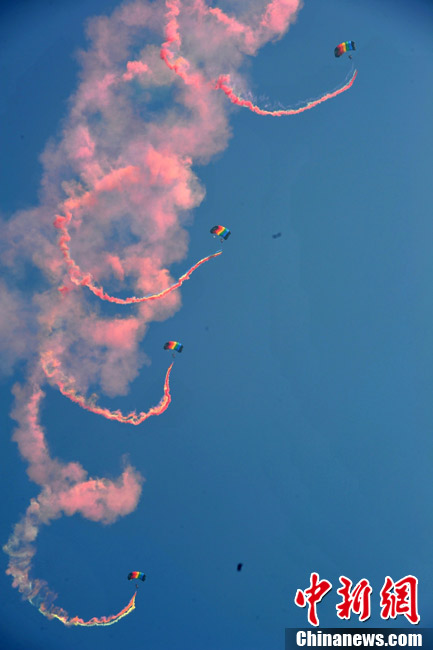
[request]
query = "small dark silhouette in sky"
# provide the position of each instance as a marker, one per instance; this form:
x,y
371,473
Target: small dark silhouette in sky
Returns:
x,y
240,565
278,234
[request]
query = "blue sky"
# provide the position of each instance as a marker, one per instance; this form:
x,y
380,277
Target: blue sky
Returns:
x,y
299,437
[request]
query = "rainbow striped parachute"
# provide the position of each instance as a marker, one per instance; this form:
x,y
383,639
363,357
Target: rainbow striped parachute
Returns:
x,y
344,47
136,575
220,231
173,345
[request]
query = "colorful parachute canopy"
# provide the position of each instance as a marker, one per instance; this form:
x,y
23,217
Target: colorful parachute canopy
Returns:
x,y
173,345
344,47
136,575
221,231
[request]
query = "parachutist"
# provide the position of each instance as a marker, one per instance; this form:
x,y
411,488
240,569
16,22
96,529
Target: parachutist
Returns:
x,y
220,231
344,47
174,346
137,575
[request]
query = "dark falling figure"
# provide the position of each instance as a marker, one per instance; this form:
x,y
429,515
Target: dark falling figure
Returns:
x,y
240,565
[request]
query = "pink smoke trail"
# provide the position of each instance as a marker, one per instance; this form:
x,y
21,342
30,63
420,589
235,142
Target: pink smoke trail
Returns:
x,y
223,84
67,490
85,279
276,17
103,621
51,368
119,179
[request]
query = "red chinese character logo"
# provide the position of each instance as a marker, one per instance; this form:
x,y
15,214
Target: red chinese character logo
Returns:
x,y
357,600
400,598
312,596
